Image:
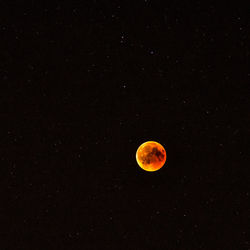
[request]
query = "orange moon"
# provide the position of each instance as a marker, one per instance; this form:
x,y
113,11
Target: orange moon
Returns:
x,y
151,156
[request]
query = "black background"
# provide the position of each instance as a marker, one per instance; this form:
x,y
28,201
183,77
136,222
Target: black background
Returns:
x,y
83,84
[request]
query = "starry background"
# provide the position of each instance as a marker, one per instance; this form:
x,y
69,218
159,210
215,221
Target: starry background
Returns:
x,y
83,84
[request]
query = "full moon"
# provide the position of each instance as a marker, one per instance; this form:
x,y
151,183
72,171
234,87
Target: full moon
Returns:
x,y
151,156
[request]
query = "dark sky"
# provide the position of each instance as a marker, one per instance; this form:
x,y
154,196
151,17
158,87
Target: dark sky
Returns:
x,y
83,84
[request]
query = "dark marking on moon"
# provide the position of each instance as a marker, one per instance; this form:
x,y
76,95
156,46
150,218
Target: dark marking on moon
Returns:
x,y
158,153
150,156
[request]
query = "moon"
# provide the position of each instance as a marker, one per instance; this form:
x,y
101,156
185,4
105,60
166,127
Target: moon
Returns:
x,y
151,156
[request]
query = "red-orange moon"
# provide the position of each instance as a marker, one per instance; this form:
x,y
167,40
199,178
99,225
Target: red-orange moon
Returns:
x,y
151,156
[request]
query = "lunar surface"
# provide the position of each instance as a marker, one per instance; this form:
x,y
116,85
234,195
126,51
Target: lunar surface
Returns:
x,y
151,156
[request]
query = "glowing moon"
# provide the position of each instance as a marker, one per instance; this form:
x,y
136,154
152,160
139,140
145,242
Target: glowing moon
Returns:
x,y
151,156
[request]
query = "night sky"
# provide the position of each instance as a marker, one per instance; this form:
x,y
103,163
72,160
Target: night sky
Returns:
x,y
84,84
